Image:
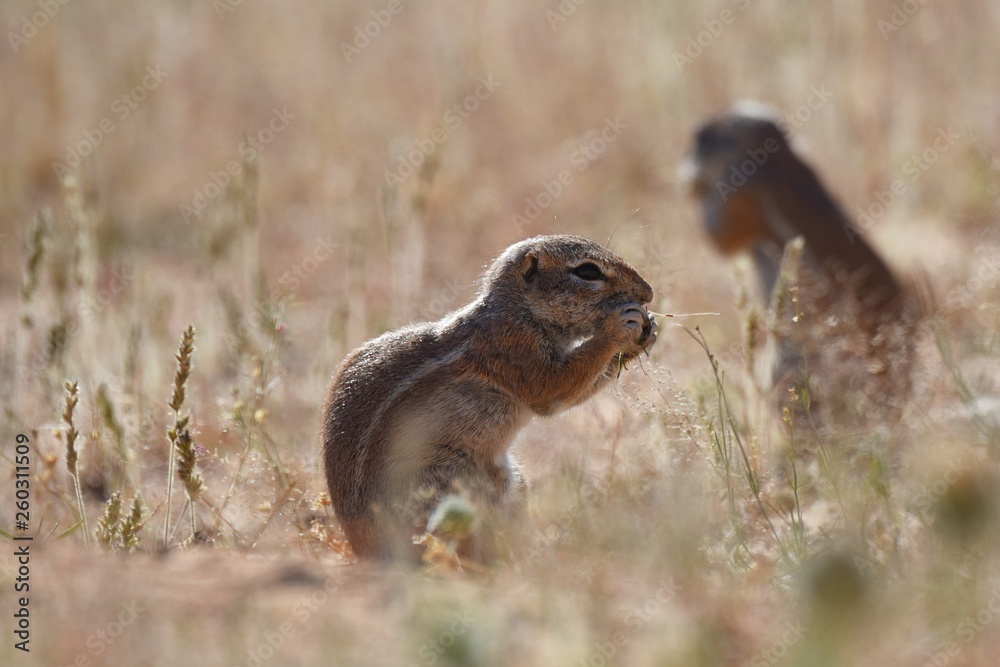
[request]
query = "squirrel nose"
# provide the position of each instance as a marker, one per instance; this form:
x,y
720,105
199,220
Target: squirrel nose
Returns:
x,y
644,293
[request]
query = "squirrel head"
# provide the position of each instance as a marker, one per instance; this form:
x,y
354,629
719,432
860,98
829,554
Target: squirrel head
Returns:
x,y
567,283
732,148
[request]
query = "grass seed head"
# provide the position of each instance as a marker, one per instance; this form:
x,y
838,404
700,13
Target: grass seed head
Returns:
x,y
131,524
35,252
183,357
187,461
72,398
108,526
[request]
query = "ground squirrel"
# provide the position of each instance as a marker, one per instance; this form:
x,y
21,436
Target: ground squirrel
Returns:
x,y
430,408
757,194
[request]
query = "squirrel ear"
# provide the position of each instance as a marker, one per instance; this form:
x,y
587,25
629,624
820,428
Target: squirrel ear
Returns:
x,y
529,268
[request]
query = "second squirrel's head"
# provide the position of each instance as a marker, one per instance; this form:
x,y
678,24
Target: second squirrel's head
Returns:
x,y
569,282
734,146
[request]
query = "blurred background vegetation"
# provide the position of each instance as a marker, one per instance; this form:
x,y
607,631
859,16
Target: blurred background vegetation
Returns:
x,y
294,178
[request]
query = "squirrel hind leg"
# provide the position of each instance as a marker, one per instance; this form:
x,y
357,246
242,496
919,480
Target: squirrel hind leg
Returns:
x,y
471,508
380,538
367,538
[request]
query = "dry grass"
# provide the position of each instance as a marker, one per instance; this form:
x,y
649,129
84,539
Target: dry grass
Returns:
x,y
677,520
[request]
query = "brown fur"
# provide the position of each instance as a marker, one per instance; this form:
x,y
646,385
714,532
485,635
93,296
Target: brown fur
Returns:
x,y
782,198
852,321
434,408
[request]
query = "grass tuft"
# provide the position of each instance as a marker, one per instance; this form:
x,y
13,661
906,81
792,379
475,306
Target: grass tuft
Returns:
x,y
72,455
35,252
182,454
118,530
109,525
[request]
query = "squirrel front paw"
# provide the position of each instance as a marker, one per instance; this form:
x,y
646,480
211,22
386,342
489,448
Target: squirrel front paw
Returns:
x,y
635,328
649,329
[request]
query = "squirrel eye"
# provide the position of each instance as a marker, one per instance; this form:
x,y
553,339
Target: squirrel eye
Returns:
x,y
588,271
710,140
